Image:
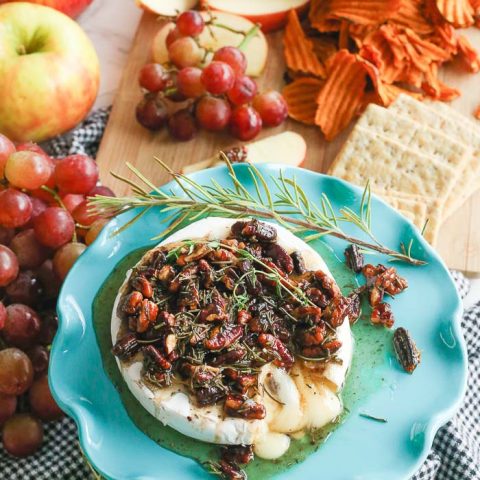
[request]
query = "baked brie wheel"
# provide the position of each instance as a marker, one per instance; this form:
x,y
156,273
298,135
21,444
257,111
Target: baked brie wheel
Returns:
x,y
234,332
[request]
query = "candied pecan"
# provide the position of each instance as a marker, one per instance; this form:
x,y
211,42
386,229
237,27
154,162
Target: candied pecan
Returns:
x,y
312,336
337,310
240,406
254,231
223,338
126,346
229,278
167,318
203,375
254,249
286,358
370,272
280,257
308,314
206,273
187,370
188,295
332,346
355,309
147,315
230,242
245,381
317,296
315,351
132,303
406,350
243,317
230,471
354,258
376,296
213,313
221,255
199,252
166,274
390,282
226,358
298,263
256,325
156,358
209,395
327,284
382,315
158,259
141,284
241,454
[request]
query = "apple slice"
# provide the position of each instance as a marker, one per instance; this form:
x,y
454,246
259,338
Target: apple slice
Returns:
x,y
270,14
287,148
216,37
168,8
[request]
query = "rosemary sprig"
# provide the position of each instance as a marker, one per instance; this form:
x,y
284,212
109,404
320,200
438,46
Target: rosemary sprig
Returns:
x,y
289,206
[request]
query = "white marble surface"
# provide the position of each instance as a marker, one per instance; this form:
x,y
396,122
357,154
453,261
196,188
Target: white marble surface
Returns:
x,y
111,25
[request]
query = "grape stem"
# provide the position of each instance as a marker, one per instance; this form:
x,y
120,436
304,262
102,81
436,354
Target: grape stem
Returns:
x,y
248,37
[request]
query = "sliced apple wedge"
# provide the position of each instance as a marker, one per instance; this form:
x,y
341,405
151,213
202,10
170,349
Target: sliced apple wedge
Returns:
x,y
287,148
270,14
169,8
216,37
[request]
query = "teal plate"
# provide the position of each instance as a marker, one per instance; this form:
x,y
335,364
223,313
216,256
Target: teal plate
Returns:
x,y
415,406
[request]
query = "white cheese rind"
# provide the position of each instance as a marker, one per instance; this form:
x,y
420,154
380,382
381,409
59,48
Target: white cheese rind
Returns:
x,y
302,409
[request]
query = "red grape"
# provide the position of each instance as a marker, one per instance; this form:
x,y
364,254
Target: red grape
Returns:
x,y
218,77
26,289
173,34
151,113
27,170
15,208
31,147
243,90
101,190
8,405
65,257
72,200
54,227
49,281
8,266
22,435
213,113
182,126
190,23
94,230
153,77
272,108
3,315
30,253
245,123
6,149
83,216
48,328
6,235
39,356
189,82
233,57
16,371
38,206
76,174
22,326
42,403
185,52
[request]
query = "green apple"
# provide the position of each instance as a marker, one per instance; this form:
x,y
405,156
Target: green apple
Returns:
x,y
49,72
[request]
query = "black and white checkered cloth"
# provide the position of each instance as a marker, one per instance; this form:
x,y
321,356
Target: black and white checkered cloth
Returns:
x,y
455,453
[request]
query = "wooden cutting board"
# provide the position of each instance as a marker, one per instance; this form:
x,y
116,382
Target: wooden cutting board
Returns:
x,y
125,140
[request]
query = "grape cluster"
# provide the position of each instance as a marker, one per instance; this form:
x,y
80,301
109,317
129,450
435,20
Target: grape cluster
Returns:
x,y
219,95
44,227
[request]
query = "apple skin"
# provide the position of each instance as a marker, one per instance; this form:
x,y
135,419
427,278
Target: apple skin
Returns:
x,y
269,21
52,90
72,8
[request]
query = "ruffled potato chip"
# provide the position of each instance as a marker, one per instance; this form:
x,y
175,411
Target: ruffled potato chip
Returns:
x,y
341,98
457,12
319,18
468,55
410,15
301,96
363,12
436,89
298,49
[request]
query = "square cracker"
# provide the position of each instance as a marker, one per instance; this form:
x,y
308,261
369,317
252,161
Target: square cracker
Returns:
x,y
388,165
469,178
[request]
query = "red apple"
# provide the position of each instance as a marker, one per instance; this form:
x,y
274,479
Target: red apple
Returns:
x,y
50,70
270,14
287,148
71,8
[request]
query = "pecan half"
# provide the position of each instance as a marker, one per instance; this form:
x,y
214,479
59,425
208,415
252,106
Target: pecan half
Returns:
x,y
239,454
254,231
354,259
298,263
269,341
406,350
242,407
382,315
280,257
126,346
156,358
223,338
132,303
147,315
141,284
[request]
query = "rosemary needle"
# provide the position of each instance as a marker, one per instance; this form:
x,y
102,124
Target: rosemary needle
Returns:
x,y
371,417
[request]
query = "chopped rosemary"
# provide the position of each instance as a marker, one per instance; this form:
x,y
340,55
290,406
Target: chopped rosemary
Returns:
x,y
371,417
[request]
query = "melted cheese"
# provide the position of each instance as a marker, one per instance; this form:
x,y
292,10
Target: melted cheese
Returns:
x,y
302,399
